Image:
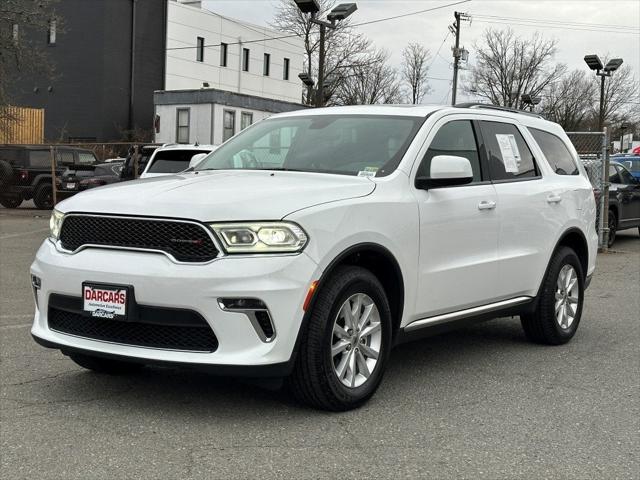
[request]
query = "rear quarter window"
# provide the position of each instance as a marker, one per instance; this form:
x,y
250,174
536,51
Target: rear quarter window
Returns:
x,y
39,159
556,152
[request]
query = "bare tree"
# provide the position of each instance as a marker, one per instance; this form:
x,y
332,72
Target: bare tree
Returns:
x,y
569,101
620,89
509,66
343,46
414,71
19,56
371,80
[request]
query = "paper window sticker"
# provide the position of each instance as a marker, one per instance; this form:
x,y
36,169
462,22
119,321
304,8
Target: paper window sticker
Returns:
x,y
506,150
515,149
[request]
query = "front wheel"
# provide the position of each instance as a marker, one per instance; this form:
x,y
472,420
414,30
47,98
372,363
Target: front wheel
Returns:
x,y
345,344
559,305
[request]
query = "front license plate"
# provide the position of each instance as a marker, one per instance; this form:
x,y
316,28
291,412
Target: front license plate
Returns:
x,y
71,186
105,301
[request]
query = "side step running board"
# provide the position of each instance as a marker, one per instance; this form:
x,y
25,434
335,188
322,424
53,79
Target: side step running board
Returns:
x,y
470,312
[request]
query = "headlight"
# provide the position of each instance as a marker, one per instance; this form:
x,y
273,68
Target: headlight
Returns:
x,y
55,222
263,237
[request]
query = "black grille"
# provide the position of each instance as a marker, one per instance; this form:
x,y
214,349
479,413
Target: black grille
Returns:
x,y
174,330
186,242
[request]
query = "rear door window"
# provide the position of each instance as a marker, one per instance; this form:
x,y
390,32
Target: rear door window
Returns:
x,y
86,157
508,154
172,161
64,157
454,138
625,177
556,152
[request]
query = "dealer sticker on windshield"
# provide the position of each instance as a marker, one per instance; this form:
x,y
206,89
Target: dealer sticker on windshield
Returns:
x,y
368,172
104,301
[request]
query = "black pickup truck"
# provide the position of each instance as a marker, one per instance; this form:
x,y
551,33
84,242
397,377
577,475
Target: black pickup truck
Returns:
x,y
25,172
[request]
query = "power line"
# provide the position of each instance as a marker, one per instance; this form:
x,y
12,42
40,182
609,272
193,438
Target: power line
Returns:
x,y
500,22
559,22
354,25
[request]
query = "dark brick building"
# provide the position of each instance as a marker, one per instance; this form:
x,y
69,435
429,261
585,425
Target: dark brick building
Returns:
x,y
108,58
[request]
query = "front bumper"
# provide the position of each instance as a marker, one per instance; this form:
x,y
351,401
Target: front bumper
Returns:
x,y
280,281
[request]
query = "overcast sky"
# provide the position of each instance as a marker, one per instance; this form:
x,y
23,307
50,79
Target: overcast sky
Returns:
x,y
430,28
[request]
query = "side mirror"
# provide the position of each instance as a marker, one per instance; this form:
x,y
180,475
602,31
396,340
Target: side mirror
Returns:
x,y
446,170
196,159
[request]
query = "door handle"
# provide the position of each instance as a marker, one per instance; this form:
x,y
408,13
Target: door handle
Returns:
x,y
486,205
554,198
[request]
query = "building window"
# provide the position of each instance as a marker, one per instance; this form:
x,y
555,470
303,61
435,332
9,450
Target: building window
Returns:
x,y
223,54
285,72
51,34
246,119
265,68
182,125
245,59
16,33
229,125
200,50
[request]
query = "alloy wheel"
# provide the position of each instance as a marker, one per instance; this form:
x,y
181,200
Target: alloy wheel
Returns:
x,y
567,297
356,340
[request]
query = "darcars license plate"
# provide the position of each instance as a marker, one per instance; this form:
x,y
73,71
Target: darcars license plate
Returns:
x,y
105,301
71,186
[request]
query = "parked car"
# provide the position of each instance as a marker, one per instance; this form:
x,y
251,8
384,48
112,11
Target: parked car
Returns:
x,y
624,198
311,243
77,178
25,172
129,169
171,159
630,162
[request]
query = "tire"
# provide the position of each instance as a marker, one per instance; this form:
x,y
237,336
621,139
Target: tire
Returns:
x,y
315,379
105,365
543,325
10,202
43,197
613,225
6,174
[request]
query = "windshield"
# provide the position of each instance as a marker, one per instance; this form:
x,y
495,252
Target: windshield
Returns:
x,y
173,161
365,145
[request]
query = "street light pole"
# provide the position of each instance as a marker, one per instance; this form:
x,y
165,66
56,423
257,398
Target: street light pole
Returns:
x,y
601,116
320,92
337,14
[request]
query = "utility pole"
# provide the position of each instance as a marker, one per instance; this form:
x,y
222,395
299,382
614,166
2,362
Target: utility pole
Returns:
x,y
457,51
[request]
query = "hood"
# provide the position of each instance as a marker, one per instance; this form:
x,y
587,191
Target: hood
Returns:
x,y
220,195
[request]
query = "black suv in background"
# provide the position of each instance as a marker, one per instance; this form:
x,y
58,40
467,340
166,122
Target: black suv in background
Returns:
x,y
25,172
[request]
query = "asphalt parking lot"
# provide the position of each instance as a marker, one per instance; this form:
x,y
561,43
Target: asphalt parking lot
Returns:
x,y
477,403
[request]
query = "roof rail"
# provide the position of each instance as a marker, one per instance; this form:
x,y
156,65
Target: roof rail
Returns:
x,y
497,107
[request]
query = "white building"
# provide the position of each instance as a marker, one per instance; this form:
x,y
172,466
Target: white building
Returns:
x,y
228,54
222,75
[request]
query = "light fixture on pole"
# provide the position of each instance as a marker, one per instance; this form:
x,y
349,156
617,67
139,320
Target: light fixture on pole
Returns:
x,y
603,71
528,99
337,14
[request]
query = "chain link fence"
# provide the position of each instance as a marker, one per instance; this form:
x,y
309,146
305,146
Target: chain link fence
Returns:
x,y
592,148
48,173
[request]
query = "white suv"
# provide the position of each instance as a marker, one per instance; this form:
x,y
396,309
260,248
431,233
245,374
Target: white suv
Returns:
x,y
311,243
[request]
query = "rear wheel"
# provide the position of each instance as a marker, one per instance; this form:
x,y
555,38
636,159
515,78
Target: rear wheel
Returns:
x,y
43,197
10,202
105,365
613,225
346,343
559,304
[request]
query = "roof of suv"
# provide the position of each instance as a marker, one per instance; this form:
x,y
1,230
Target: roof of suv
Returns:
x,y
423,111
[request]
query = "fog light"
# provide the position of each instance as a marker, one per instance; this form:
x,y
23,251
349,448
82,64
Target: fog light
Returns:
x,y
36,284
257,313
